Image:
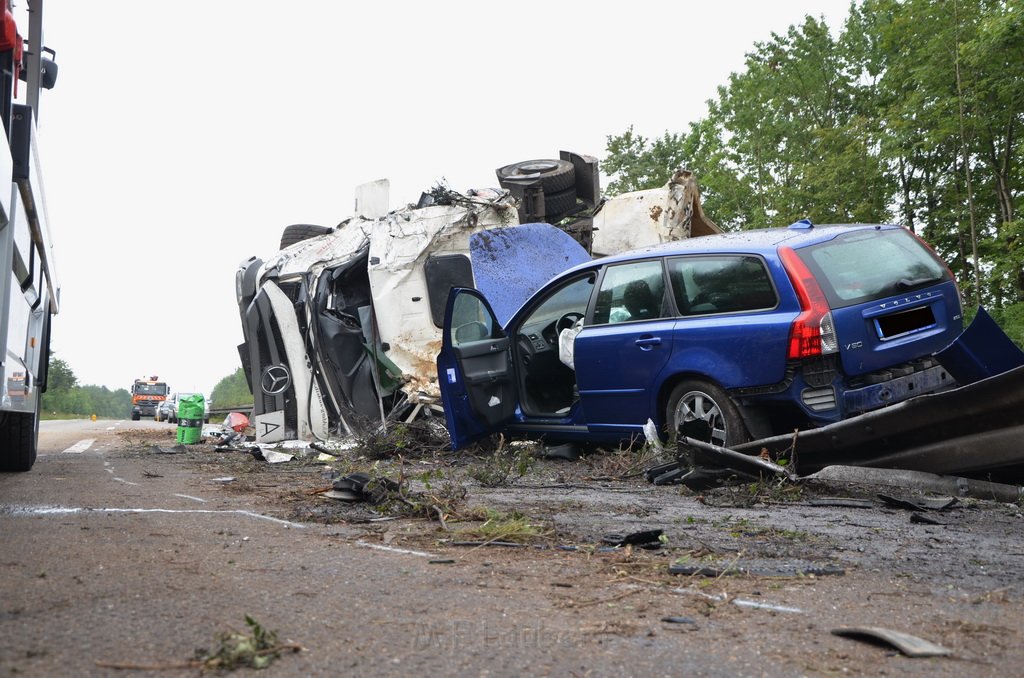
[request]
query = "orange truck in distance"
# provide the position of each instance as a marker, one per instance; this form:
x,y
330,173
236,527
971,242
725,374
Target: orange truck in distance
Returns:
x,y
147,394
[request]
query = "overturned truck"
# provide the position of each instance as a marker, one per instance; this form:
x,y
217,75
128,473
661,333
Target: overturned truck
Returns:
x,y
341,327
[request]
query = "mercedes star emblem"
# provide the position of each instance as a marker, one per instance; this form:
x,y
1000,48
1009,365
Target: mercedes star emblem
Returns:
x,y
275,380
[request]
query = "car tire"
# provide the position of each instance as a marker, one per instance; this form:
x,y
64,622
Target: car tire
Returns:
x,y
136,416
18,434
705,412
556,176
299,232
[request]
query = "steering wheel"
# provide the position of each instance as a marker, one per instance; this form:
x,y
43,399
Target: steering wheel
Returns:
x,y
567,321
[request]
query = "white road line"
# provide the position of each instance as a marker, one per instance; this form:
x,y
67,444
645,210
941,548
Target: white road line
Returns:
x,y
392,549
126,482
189,496
80,446
64,510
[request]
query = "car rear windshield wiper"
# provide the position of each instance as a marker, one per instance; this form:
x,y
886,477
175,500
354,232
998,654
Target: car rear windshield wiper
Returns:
x,y
908,283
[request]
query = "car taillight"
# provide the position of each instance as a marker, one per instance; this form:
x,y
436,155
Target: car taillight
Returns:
x,y
813,332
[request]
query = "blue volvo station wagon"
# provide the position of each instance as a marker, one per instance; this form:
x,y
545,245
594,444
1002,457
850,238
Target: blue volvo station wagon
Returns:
x,y
723,337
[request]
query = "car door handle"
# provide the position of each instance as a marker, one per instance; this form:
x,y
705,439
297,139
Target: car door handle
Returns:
x,y
647,342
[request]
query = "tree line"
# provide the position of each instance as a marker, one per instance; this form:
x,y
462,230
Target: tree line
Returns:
x,y
910,115
64,396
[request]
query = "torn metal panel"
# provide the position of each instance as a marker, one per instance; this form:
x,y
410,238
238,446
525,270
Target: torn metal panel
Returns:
x,y
400,246
657,215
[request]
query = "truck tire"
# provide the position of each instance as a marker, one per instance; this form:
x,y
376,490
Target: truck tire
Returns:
x,y
557,205
299,232
18,434
555,175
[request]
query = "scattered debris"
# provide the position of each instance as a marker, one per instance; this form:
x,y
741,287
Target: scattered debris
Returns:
x,y
361,486
224,480
739,602
645,539
270,456
679,620
911,646
236,421
941,504
256,649
701,465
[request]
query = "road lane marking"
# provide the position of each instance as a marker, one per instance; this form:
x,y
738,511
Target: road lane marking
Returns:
x,y
80,446
392,549
126,482
65,510
189,496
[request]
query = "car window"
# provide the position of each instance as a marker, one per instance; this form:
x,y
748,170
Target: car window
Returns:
x,y
631,292
869,264
702,285
570,298
471,321
443,272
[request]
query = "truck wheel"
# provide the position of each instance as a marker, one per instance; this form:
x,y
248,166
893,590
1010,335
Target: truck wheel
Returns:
x,y
555,175
136,416
299,232
557,205
705,412
18,434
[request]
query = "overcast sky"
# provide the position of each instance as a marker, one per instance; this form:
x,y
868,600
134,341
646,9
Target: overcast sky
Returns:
x,y
182,137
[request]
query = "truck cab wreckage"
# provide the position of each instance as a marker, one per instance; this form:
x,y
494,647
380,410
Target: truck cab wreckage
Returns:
x,y
342,326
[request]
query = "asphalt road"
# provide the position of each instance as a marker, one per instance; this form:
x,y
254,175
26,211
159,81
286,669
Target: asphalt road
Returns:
x,y
110,559
111,554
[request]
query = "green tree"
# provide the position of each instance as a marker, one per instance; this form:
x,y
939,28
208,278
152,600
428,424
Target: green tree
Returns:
x,y
60,377
232,390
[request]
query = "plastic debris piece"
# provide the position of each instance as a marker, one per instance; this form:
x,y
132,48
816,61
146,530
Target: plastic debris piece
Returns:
x,y
224,479
643,539
679,620
236,421
766,606
651,434
911,646
941,504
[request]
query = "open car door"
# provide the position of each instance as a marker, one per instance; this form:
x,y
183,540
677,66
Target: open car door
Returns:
x,y
478,387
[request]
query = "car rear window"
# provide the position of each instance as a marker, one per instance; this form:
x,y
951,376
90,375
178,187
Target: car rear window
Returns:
x,y
865,265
